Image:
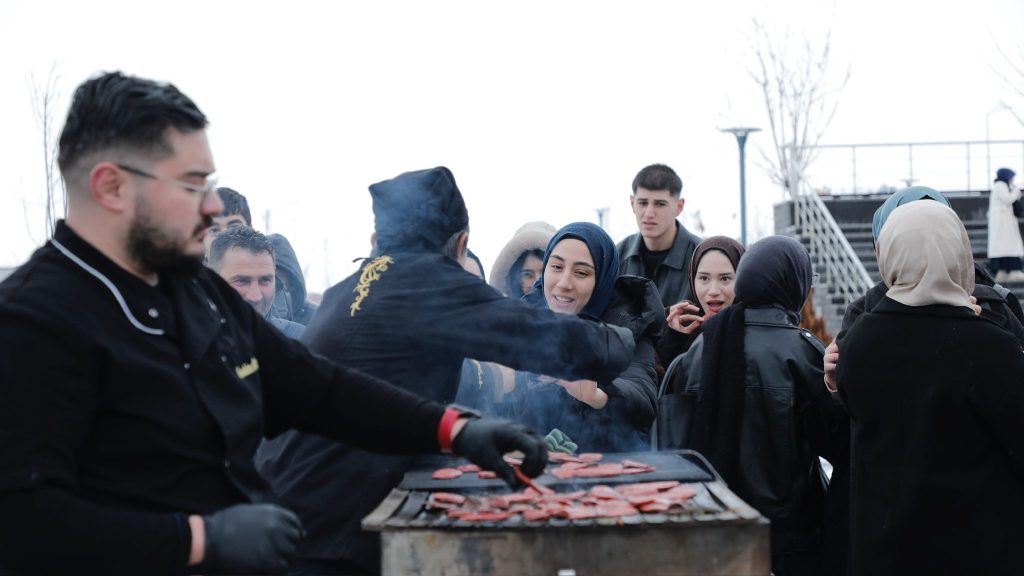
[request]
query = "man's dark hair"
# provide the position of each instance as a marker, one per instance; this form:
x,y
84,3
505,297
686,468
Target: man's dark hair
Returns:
x,y
235,203
239,237
658,177
117,111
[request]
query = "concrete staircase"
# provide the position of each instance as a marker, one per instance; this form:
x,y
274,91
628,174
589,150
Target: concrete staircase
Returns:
x,y
853,214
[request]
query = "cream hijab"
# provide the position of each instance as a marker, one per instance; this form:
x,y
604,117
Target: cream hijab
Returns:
x,y
925,256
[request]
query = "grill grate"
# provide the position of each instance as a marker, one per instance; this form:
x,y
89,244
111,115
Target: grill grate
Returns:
x,y
406,507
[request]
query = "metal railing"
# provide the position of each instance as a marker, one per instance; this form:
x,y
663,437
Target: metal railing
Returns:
x,y
873,168
844,274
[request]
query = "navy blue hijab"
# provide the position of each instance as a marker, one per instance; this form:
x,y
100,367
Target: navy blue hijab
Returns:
x,y
606,266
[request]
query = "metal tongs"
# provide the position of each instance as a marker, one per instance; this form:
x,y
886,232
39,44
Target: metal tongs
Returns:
x,y
529,482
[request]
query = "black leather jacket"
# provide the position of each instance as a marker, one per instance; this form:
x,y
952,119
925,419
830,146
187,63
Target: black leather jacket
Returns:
x,y
789,420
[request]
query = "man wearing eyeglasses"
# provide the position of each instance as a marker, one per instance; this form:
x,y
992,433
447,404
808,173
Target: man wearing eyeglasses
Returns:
x,y
135,384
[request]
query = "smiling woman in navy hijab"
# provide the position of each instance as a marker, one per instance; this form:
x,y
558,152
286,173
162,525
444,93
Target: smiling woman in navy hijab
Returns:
x,y
580,276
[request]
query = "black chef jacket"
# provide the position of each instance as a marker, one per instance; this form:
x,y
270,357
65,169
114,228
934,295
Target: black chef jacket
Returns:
x,y
124,407
411,318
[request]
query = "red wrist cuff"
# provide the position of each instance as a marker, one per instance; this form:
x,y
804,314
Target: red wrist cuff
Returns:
x,y
444,429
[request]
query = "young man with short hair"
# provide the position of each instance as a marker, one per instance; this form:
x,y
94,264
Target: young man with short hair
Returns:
x,y
662,248
236,213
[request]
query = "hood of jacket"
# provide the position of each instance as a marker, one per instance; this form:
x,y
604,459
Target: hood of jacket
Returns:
x,y
289,271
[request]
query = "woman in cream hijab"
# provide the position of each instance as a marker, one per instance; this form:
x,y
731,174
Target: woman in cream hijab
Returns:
x,y
935,401
924,255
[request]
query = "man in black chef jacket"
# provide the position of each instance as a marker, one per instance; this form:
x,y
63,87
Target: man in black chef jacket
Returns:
x,y
410,316
135,384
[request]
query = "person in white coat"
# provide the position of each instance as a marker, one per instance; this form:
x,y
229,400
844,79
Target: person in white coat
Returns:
x,y
1005,248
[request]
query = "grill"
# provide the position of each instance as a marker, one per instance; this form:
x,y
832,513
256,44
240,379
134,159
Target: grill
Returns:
x,y
716,532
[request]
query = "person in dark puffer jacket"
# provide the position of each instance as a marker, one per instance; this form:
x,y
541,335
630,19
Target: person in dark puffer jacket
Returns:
x,y
580,276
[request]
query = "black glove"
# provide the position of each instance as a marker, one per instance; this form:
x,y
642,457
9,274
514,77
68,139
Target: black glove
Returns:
x,y
485,442
250,539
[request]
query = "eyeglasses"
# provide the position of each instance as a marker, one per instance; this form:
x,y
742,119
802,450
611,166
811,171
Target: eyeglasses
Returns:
x,y
211,180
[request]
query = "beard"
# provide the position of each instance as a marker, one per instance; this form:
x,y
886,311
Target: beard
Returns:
x,y
157,251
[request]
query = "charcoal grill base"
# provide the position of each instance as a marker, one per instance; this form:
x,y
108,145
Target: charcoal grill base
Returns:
x,y
739,549
715,533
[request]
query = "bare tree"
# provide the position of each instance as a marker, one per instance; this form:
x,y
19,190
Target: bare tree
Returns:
x,y
799,97
1013,81
44,105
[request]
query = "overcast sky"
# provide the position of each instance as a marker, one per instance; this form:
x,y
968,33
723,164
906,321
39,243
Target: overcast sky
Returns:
x,y
543,110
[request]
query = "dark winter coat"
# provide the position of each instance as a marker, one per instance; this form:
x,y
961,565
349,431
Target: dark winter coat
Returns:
x,y
412,318
788,421
935,397
624,423
997,304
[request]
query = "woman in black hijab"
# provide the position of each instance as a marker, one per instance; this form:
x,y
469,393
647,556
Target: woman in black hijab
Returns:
x,y
757,408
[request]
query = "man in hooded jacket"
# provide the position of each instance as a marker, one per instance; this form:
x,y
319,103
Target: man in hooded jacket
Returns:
x,y
290,300
412,314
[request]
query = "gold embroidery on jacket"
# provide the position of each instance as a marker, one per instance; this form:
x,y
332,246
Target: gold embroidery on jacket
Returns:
x,y
247,369
371,273
479,373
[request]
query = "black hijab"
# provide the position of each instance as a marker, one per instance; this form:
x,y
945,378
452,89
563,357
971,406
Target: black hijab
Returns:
x,y
776,272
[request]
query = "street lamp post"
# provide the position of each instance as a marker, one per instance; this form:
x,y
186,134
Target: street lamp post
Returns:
x,y
741,140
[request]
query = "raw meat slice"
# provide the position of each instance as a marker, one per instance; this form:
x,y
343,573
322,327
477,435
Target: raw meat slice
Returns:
x,y
612,508
591,457
655,507
635,464
487,516
599,471
637,470
640,500
536,515
575,465
468,468
486,475
605,493
446,474
647,487
680,492
562,457
447,498
563,496
563,473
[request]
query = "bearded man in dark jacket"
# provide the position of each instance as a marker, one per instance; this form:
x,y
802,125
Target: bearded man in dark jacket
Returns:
x,y
412,314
